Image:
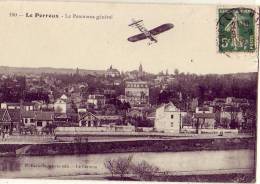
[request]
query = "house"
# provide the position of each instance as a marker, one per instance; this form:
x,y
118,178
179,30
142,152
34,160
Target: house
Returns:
x,y
8,105
46,107
135,113
229,114
64,97
168,118
122,98
60,106
76,98
88,119
205,120
28,106
43,119
39,119
98,101
116,82
10,119
218,102
112,72
61,119
137,93
28,118
109,119
109,92
204,109
236,101
170,79
82,109
65,119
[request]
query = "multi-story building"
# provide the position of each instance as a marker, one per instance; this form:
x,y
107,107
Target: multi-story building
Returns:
x,y
112,72
168,118
137,93
60,106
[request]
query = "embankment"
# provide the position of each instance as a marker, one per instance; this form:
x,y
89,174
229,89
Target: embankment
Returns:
x,y
173,145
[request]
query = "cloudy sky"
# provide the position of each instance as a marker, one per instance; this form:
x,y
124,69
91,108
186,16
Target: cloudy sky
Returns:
x,y
96,44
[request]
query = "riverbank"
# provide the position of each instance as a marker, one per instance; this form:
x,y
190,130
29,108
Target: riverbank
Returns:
x,y
227,178
138,145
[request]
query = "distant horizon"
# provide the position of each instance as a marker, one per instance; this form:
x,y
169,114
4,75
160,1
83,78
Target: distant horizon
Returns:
x,y
103,70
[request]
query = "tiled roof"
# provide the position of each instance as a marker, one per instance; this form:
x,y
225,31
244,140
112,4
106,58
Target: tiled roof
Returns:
x,y
27,104
14,114
41,115
38,115
28,114
82,115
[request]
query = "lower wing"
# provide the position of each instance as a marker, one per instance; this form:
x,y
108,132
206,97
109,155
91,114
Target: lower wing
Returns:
x,y
138,37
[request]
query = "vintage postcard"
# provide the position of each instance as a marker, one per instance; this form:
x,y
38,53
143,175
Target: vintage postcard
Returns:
x,y
126,91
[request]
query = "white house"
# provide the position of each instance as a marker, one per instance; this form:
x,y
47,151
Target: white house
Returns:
x,y
168,118
60,106
64,97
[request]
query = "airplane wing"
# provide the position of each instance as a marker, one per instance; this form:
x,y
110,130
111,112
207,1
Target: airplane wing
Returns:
x,y
137,37
161,28
155,31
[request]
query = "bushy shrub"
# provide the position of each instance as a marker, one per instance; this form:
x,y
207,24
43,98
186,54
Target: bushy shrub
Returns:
x,y
120,166
145,171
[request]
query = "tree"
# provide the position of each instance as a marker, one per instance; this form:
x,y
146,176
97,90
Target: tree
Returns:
x,y
187,120
176,72
120,166
145,171
225,122
111,166
123,165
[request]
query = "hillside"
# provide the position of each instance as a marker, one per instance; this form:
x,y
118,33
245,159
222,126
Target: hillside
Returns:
x,y
27,70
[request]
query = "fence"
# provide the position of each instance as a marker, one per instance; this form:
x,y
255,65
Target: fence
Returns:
x,y
211,131
96,129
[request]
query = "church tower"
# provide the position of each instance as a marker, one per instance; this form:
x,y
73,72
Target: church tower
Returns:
x,y
140,72
77,71
140,68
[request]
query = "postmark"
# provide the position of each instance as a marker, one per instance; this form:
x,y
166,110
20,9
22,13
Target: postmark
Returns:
x,y
236,30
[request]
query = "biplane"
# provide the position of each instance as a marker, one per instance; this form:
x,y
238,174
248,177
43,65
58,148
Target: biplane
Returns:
x,y
145,34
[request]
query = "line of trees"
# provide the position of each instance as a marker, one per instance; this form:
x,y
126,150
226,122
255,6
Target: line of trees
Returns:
x,y
207,87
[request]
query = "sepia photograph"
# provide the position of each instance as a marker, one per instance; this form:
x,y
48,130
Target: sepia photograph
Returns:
x,y
128,91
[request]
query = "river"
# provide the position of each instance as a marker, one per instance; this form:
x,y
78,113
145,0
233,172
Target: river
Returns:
x,y
241,160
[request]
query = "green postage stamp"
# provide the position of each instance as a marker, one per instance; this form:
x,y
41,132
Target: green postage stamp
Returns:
x,y
236,28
